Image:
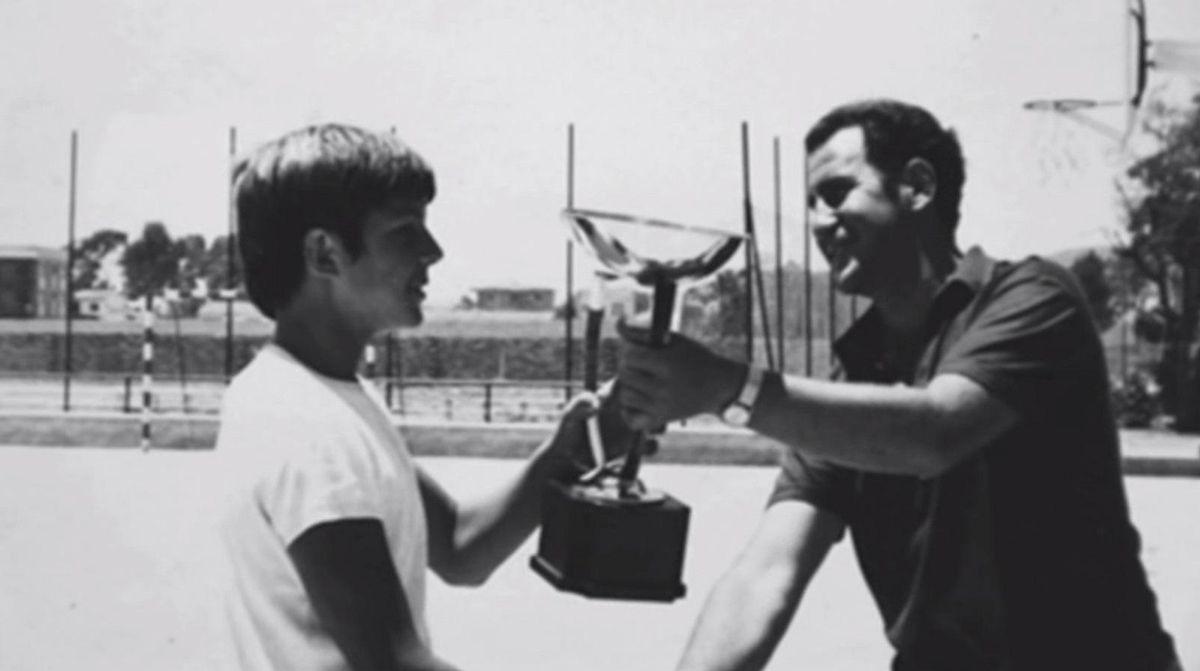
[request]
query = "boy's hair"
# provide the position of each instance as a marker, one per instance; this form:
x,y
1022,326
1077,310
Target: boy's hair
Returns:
x,y
894,133
325,177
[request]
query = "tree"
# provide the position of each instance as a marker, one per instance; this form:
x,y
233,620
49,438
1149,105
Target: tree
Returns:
x,y
216,267
151,262
1162,197
192,252
1092,274
90,254
723,304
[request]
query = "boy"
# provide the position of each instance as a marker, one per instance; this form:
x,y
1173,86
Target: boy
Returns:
x,y
333,523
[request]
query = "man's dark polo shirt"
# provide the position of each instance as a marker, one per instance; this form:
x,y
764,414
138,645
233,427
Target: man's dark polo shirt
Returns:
x,y
1022,556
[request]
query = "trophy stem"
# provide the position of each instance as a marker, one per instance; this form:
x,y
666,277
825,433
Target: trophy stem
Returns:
x,y
591,349
663,310
627,478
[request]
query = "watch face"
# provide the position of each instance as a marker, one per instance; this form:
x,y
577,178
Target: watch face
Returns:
x,y
736,414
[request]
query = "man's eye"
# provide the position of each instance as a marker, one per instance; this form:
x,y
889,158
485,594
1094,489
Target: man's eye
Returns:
x,y
834,195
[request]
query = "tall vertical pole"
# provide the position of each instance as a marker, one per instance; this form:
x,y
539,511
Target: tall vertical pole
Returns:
x,y
808,311
832,311
754,263
569,305
749,231
68,364
147,367
1124,356
394,354
230,251
779,256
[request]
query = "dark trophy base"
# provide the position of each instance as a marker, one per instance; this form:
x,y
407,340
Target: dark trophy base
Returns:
x,y
602,546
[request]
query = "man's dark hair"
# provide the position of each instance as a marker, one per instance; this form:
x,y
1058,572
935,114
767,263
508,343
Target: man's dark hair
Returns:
x,y
895,133
326,177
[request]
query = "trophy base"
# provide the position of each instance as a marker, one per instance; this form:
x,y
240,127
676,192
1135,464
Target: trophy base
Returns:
x,y
606,547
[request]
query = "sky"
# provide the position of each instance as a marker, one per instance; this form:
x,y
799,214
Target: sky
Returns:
x,y
656,92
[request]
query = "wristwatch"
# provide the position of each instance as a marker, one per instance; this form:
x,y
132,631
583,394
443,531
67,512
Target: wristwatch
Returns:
x,y
737,413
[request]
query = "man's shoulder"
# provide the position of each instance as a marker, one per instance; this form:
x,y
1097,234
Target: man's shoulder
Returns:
x,y
1033,268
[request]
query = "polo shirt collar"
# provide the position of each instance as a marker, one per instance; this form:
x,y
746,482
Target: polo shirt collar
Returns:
x,y
859,349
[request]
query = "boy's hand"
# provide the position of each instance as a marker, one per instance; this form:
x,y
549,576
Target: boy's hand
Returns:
x,y
571,439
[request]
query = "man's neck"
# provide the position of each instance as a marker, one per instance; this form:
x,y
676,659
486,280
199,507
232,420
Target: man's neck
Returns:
x,y
904,309
326,345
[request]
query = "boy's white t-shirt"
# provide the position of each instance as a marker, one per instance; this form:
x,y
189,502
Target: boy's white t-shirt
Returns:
x,y
298,449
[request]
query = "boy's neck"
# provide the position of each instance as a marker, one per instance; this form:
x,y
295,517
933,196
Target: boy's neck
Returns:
x,y
326,345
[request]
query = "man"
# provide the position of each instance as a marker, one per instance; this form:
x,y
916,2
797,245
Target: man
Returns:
x,y
331,523
967,443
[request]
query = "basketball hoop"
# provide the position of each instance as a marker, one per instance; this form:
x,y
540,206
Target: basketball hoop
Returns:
x,y
1064,105
1078,109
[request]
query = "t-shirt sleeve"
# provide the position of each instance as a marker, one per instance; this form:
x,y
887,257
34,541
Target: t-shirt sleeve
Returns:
x,y
321,479
824,485
1031,339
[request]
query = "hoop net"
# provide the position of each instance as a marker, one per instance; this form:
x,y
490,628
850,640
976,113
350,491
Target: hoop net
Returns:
x,y
1069,142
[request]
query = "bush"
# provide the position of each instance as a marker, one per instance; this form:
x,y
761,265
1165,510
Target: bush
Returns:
x,y
1136,402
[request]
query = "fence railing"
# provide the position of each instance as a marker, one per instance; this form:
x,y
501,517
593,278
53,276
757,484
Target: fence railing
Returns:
x,y
451,399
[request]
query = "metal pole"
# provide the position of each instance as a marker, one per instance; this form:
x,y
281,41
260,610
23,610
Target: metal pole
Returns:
x,y
755,260
70,293
808,313
749,230
1124,349
569,321
230,286
832,312
147,367
779,257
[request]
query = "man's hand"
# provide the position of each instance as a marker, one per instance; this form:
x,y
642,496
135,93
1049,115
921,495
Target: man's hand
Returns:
x,y
661,384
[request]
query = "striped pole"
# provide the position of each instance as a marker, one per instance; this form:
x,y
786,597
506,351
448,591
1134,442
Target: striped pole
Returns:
x,y
147,368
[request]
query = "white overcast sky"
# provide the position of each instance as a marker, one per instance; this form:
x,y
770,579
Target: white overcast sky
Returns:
x,y
485,90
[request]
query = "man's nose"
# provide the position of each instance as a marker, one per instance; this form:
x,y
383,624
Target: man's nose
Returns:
x,y
824,221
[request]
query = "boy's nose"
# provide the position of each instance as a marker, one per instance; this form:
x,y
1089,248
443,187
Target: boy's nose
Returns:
x,y
431,251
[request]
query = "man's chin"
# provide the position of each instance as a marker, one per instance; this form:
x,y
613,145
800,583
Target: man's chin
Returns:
x,y
847,281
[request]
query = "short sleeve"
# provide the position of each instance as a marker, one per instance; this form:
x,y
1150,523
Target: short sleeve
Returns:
x,y
822,484
1029,340
321,478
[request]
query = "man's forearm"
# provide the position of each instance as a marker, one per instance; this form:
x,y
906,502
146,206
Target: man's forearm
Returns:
x,y
742,622
890,429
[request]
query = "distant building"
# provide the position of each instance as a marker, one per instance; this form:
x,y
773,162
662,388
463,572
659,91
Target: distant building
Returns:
x,y
103,304
523,299
33,282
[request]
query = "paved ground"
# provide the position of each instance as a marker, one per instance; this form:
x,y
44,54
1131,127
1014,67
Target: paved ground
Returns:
x,y
107,556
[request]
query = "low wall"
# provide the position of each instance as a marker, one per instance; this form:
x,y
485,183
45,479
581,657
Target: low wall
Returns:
x,y
1143,453
204,355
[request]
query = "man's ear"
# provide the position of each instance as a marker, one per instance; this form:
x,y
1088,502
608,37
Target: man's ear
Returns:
x,y
918,184
322,253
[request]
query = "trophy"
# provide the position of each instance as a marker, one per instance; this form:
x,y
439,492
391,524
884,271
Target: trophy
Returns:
x,y
607,535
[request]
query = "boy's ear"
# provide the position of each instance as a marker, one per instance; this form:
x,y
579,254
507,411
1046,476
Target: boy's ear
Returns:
x,y
322,253
918,184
